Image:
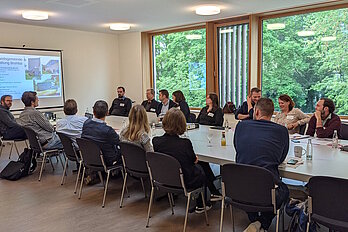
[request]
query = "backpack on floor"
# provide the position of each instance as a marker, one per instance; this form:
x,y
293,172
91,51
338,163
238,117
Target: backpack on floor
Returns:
x,y
297,210
17,169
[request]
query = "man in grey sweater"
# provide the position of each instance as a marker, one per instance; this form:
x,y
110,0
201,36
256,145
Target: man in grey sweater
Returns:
x,y
9,128
34,119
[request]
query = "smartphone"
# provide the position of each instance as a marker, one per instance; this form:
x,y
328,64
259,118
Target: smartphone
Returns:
x,y
292,162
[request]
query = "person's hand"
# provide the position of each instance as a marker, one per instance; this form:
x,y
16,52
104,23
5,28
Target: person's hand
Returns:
x,y
249,102
196,161
317,115
292,126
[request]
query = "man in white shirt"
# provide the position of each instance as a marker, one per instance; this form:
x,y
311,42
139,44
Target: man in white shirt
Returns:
x,y
165,103
72,124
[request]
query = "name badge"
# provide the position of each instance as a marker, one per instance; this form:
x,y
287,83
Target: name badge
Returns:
x,y
122,104
210,114
153,110
290,117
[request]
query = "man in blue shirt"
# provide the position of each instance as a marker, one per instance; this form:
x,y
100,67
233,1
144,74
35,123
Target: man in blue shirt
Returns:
x,y
263,143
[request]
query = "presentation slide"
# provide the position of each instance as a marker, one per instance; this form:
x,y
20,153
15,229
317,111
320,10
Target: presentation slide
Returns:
x,y
32,70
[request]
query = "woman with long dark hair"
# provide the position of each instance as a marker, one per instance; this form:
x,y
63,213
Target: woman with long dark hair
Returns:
x,y
179,98
211,114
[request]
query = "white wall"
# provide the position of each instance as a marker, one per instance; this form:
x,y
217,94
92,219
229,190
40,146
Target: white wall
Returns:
x,y
130,61
90,60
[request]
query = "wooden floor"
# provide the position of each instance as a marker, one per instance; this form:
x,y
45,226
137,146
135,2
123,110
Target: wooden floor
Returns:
x,y
30,205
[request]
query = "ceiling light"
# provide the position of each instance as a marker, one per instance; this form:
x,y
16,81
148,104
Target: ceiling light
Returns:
x,y
193,36
305,33
208,10
119,26
328,38
275,26
35,15
230,30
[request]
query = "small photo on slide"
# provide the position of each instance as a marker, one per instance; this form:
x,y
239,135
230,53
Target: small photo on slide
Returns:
x,y
51,67
33,70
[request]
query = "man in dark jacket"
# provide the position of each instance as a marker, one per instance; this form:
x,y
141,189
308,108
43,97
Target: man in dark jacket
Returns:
x,y
107,139
150,104
246,110
165,104
121,105
9,128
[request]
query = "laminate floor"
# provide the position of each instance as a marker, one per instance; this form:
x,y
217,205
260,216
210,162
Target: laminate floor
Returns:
x,y
33,206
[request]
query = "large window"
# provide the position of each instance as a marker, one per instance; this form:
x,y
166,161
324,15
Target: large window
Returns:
x,y
179,63
233,50
306,57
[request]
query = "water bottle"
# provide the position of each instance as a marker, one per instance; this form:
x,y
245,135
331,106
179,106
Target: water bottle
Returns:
x,y
309,151
226,125
124,124
335,140
87,111
153,129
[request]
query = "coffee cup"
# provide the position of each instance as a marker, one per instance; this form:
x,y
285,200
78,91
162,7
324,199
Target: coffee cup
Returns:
x,y
299,151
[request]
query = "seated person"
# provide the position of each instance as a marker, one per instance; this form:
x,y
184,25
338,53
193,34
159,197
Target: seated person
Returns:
x,y
121,105
179,99
9,128
165,103
35,120
137,130
72,124
324,121
150,104
103,135
246,111
263,143
211,114
290,117
229,108
195,175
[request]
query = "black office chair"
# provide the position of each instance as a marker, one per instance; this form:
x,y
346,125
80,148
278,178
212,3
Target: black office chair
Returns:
x,y
13,143
303,129
92,158
344,131
166,174
134,163
249,188
328,202
35,145
72,154
192,118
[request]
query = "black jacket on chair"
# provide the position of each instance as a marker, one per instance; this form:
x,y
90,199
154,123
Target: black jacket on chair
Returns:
x,y
150,106
105,137
160,105
182,150
214,118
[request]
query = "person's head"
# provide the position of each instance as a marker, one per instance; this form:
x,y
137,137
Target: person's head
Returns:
x,y
174,122
70,107
163,95
138,123
121,91
255,94
326,106
285,103
178,96
100,109
29,98
263,109
150,94
229,108
212,100
6,101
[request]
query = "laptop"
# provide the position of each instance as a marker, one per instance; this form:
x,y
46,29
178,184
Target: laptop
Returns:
x,y
152,117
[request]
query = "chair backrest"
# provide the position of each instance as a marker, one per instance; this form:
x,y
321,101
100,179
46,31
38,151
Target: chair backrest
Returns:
x,y
68,146
329,197
248,184
91,153
344,131
303,129
33,139
165,169
134,157
192,117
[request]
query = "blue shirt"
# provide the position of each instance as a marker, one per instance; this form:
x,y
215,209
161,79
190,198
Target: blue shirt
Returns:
x,y
71,125
261,143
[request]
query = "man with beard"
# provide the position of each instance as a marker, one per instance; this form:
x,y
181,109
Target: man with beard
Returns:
x,y
324,121
246,110
9,128
121,105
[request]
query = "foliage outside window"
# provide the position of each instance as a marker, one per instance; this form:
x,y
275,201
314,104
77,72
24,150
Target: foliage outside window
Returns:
x,y
306,57
180,64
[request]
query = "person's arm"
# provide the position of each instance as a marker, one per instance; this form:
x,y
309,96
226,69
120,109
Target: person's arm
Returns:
x,y
146,142
242,113
5,119
43,122
327,132
199,116
219,117
158,109
113,137
128,106
235,140
185,109
191,152
285,138
303,118
112,107
311,126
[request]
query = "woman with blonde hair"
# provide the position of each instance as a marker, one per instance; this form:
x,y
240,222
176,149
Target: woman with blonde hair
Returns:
x,y
289,116
138,129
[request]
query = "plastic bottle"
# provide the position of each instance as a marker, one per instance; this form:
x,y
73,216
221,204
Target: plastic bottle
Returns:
x,y
223,139
153,130
335,140
309,151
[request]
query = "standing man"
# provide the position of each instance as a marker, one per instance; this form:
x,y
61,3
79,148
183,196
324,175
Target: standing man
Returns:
x,y
9,128
165,103
263,143
150,104
324,121
121,105
246,111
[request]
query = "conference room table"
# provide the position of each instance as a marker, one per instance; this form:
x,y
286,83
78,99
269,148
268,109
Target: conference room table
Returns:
x,y
326,161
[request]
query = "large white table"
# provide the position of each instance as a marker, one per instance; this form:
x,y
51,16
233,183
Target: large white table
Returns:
x,y
326,160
